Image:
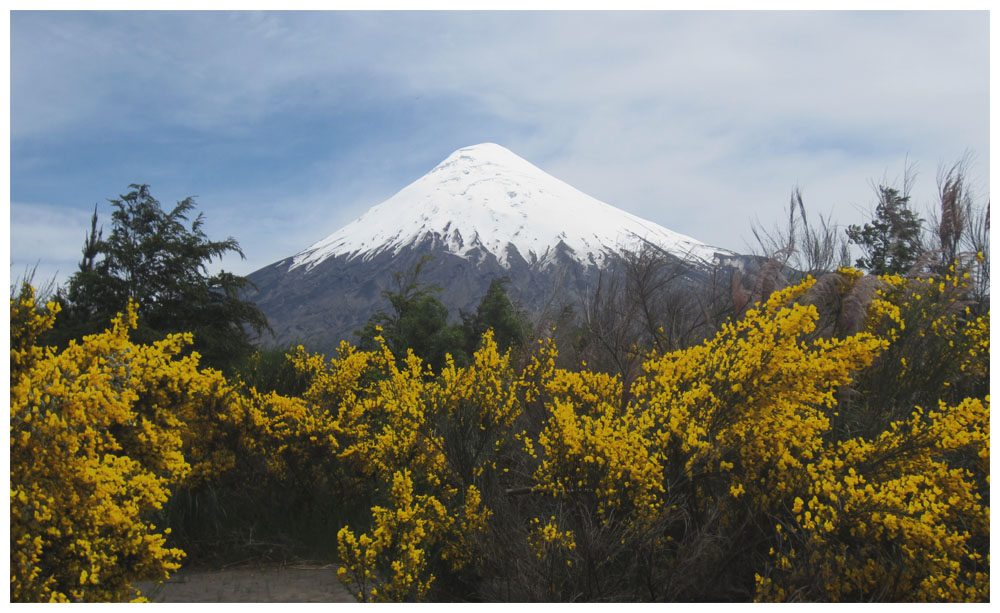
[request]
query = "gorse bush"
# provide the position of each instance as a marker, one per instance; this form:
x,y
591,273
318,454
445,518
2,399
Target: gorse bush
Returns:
x,y
96,442
939,349
430,447
832,444
712,435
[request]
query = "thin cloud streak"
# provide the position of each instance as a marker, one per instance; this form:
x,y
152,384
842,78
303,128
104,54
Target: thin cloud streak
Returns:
x,y
47,239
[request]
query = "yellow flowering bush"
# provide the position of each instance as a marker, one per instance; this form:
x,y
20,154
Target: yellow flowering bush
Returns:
x,y
708,433
897,505
426,446
734,454
96,441
890,518
395,562
745,467
939,350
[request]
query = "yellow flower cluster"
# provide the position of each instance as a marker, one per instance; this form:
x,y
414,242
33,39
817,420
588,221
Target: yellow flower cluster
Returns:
x,y
403,534
545,540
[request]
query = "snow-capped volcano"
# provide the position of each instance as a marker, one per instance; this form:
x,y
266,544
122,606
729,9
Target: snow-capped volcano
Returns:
x,y
486,198
480,215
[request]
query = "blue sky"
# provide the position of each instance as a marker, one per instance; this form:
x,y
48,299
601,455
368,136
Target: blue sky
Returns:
x,y
287,126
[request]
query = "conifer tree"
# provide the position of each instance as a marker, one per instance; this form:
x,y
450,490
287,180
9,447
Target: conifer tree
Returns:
x,y
496,312
891,242
157,259
418,321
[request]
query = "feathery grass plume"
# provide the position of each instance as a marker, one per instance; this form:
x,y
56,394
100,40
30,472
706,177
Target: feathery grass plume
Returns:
x,y
962,228
977,244
770,277
740,296
953,220
856,303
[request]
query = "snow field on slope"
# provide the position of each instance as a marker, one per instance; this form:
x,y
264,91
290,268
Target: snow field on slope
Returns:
x,y
489,197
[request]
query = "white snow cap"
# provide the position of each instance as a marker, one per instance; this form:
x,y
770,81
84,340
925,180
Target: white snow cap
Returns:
x,y
486,196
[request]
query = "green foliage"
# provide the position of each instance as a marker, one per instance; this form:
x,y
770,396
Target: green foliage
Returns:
x,y
496,312
891,242
269,369
156,259
418,322
937,352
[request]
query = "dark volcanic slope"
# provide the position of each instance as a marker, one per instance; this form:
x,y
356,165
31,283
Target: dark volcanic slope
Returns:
x,y
322,306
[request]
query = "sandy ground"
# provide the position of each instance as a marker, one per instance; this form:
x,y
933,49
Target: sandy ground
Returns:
x,y
294,583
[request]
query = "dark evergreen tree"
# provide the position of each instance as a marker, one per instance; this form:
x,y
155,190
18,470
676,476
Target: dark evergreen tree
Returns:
x,y
154,258
418,322
496,312
891,243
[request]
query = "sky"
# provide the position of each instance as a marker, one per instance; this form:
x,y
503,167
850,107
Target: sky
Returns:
x,y
286,126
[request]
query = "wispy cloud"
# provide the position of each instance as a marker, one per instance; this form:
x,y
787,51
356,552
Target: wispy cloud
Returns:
x,y
46,239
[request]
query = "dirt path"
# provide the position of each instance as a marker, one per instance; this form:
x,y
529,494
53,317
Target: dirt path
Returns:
x,y
294,583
